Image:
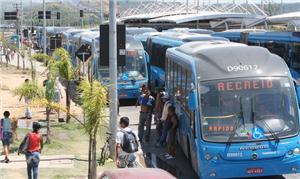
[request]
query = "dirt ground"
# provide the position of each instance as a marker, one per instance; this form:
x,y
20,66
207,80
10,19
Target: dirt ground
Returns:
x,y
10,78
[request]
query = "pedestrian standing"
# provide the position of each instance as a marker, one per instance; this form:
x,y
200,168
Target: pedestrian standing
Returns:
x,y
146,101
164,122
58,96
32,145
126,145
28,113
158,107
5,126
171,141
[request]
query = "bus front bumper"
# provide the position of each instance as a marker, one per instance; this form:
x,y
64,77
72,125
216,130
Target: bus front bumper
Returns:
x,y
234,169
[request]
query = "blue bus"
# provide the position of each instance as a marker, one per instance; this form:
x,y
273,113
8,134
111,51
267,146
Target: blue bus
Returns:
x,y
131,77
284,44
237,109
157,45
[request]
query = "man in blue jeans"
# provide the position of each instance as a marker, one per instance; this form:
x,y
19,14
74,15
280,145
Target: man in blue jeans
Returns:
x,y
34,147
146,101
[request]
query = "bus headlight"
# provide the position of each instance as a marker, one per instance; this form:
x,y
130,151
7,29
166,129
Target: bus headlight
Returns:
x,y
212,174
296,151
216,157
207,157
290,152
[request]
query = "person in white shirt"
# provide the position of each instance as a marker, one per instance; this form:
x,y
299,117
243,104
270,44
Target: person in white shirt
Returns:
x,y
58,95
126,145
28,113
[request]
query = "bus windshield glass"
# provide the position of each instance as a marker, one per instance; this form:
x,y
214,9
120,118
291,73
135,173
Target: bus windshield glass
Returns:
x,y
135,67
248,109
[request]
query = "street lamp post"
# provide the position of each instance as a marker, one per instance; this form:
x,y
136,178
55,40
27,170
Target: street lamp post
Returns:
x,y
113,93
44,28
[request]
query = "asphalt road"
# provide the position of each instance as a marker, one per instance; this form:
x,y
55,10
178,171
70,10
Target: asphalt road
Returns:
x,y
154,156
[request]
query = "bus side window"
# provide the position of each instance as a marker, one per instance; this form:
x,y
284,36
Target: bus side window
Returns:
x,y
183,88
295,56
171,77
178,83
175,77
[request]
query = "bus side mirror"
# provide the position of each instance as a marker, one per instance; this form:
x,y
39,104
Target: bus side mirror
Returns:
x,y
147,57
192,100
298,93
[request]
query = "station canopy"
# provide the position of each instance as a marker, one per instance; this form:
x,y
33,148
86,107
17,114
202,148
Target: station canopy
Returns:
x,y
292,20
284,18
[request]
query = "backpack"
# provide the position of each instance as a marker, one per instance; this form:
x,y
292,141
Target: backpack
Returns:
x,y
24,145
130,143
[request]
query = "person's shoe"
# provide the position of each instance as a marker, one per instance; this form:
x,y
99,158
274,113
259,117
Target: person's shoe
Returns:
x,y
167,155
6,160
170,157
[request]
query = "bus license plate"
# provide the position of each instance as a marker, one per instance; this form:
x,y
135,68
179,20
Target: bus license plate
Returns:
x,y
254,170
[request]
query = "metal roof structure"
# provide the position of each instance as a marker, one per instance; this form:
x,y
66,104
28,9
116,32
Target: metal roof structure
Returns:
x,y
204,15
283,18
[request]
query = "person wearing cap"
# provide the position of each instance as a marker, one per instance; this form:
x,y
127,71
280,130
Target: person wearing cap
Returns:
x,y
146,101
163,120
35,146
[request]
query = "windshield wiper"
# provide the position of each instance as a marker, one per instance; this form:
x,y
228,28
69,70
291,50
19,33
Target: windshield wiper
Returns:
x,y
236,123
277,140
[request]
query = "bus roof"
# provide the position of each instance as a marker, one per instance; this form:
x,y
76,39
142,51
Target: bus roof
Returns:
x,y
187,37
139,30
186,30
212,60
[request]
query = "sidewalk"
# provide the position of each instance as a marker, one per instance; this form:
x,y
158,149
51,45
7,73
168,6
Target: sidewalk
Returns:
x,y
50,161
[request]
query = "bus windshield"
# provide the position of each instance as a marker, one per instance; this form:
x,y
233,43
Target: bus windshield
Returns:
x,y
135,67
248,109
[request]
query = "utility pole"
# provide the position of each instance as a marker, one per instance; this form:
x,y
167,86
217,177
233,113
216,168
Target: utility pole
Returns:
x,y
101,12
18,35
198,6
21,31
113,93
44,28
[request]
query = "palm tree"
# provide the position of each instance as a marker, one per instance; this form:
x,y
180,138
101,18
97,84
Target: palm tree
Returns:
x,y
67,72
94,103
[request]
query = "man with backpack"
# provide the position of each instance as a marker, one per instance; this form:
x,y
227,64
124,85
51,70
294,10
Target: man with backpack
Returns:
x,y
126,145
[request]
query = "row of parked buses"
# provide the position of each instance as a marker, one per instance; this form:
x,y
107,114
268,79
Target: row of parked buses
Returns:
x,y
237,104
131,77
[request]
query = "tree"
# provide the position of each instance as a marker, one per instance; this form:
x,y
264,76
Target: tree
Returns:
x,y
48,100
67,72
94,103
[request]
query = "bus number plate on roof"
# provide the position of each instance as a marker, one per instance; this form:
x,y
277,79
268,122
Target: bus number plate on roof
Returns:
x,y
254,170
242,68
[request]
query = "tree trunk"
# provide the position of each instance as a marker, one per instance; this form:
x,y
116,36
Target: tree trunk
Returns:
x,y
94,159
68,102
90,157
18,64
48,140
23,63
